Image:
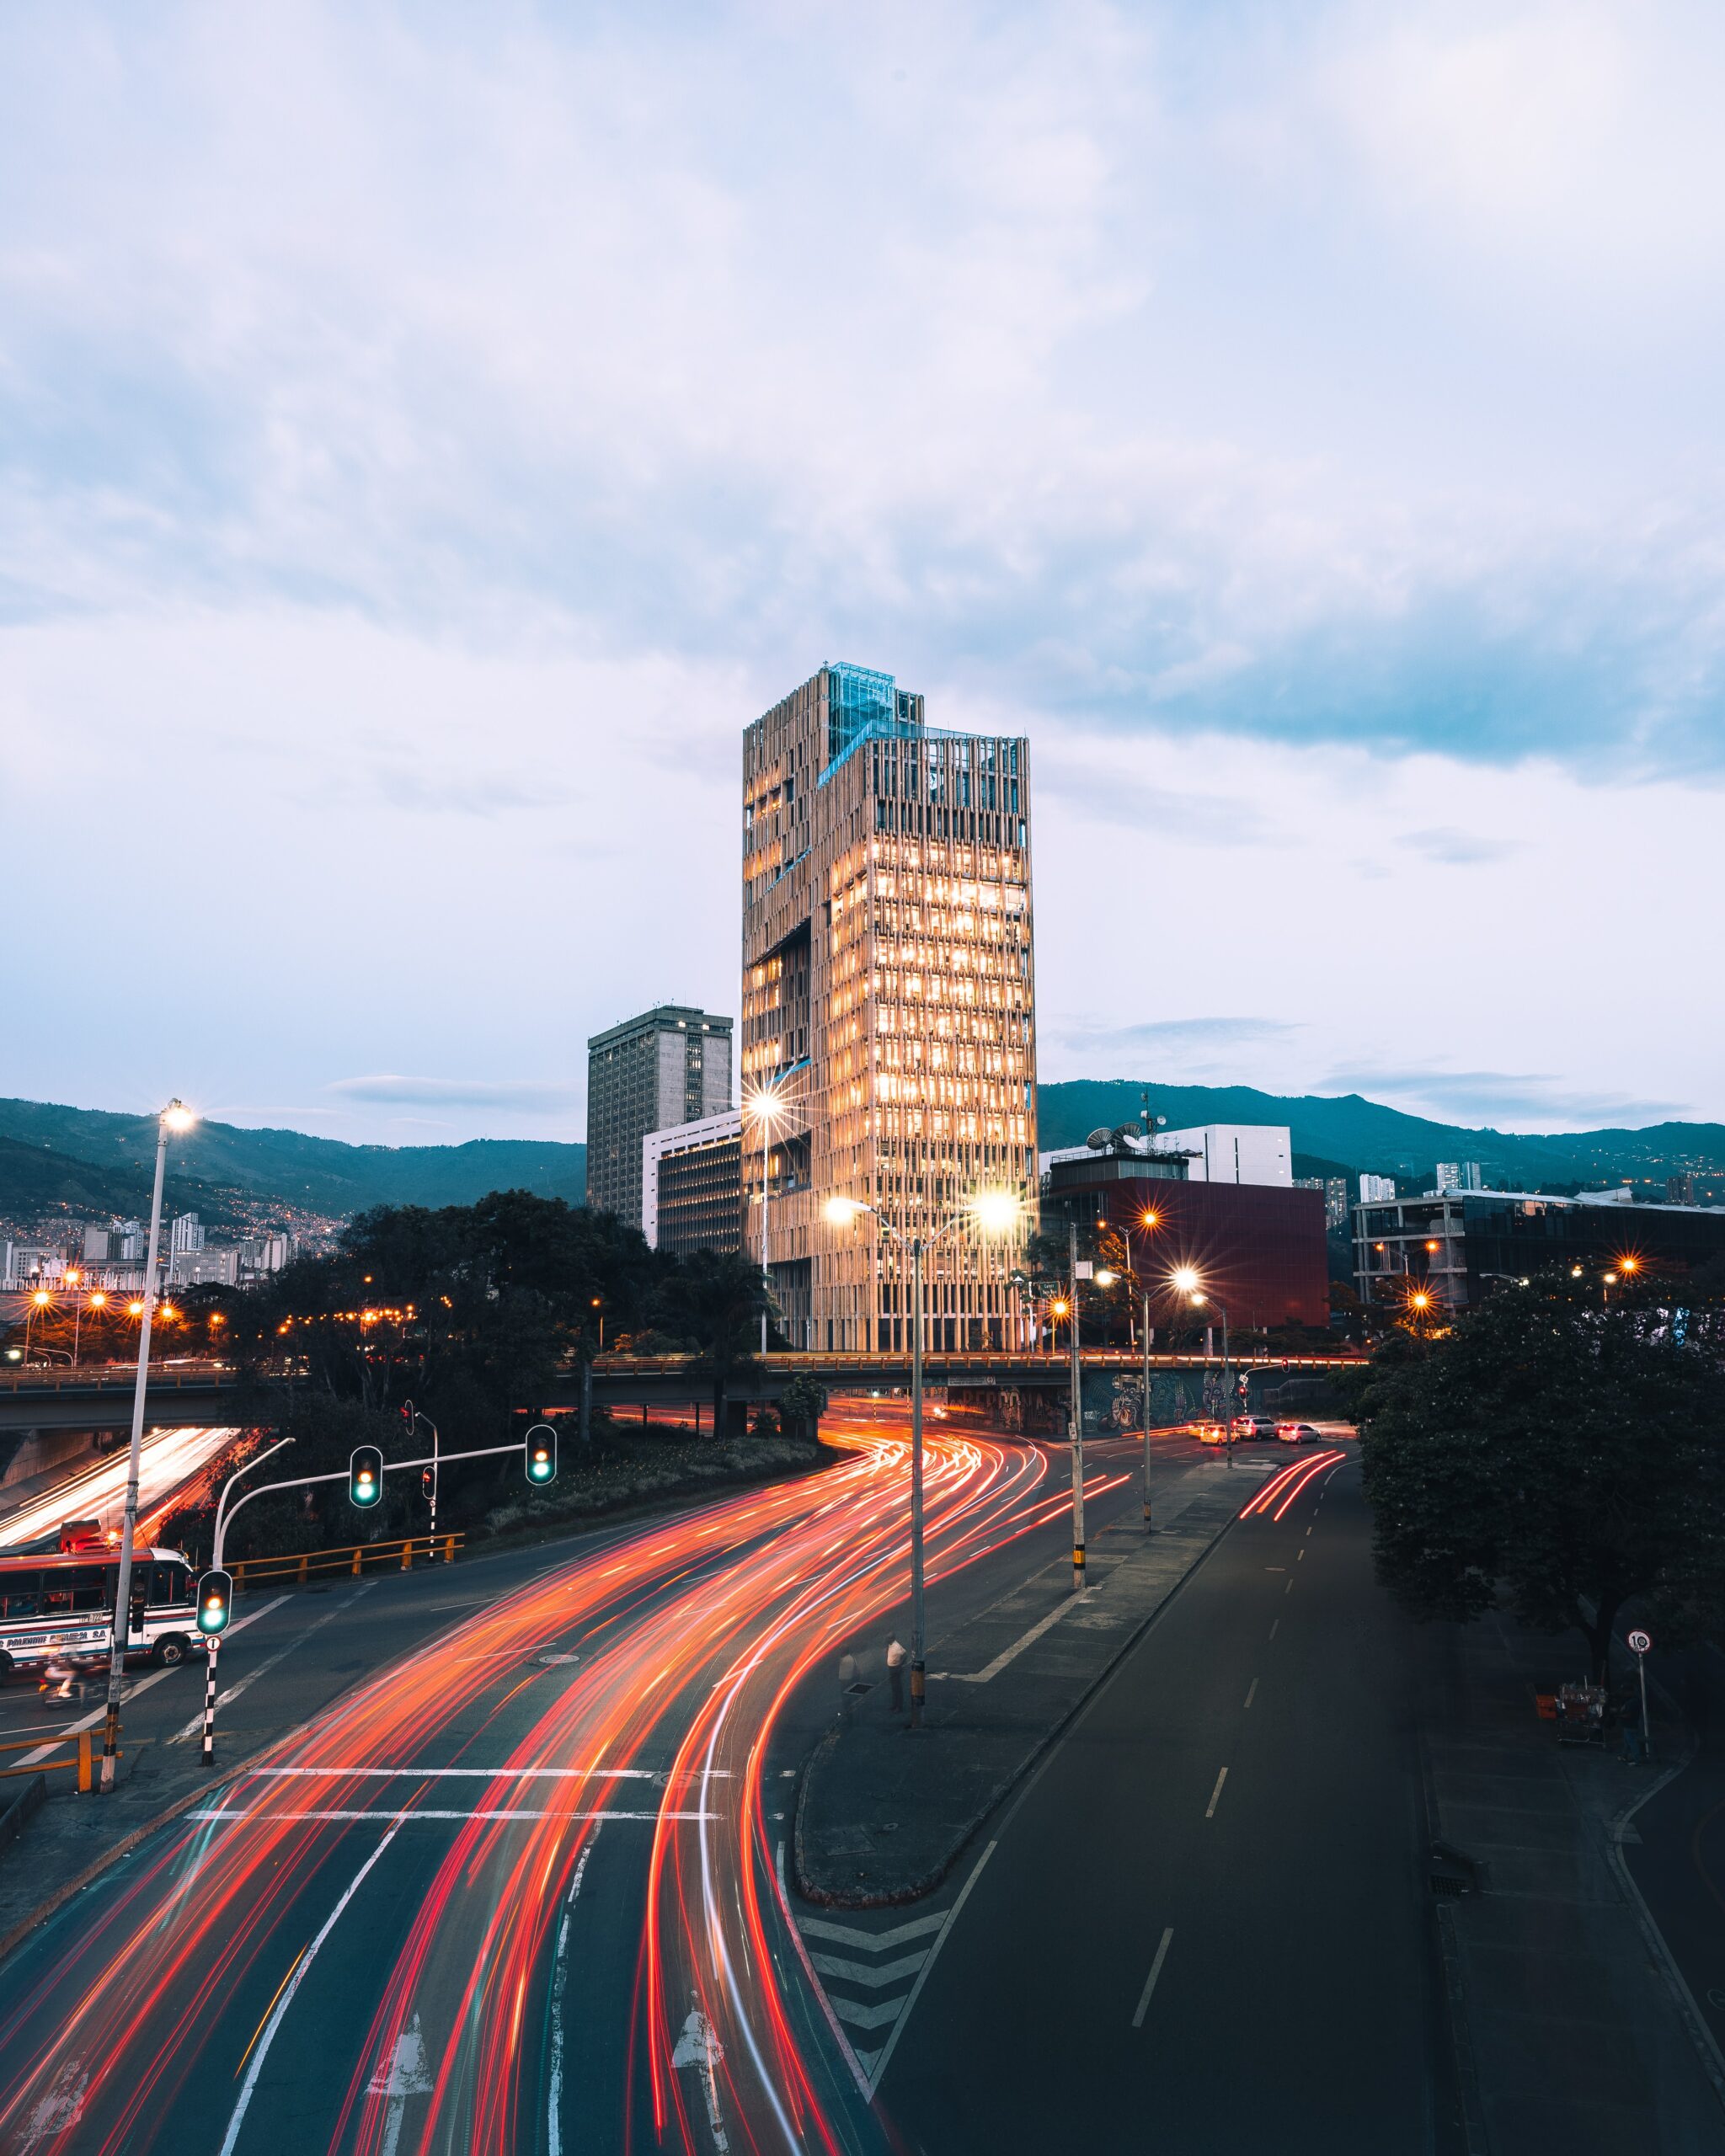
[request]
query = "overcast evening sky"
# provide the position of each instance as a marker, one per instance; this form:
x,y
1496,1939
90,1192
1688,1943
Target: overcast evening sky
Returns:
x,y
430,434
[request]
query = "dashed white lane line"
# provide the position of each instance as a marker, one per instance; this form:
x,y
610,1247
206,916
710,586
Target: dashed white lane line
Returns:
x,y
1273,1628
1155,1970
1299,1556
1252,1692
1289,1589
1209,1809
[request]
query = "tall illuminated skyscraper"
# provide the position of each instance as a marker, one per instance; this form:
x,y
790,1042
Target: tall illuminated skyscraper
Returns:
x,y
888,1007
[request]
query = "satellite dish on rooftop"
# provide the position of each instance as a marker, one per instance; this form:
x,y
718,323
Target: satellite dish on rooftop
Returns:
x,y
1098,1139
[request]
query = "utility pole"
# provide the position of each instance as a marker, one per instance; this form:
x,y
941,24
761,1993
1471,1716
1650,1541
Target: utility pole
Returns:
x,y
1149,1522
1077,1417
174,1118
917,1656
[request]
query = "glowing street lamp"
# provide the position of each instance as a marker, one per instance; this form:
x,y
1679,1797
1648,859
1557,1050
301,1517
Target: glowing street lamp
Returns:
x,y
1188,1279
174,1120
991,1214
767,1103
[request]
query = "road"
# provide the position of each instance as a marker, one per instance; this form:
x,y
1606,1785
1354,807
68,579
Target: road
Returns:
x,y
1200,1928
519,1890
167,1459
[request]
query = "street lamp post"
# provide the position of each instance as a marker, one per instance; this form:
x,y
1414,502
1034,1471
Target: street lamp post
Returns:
x,y
1149,1220
1188,1279
995,1212
175,1117
766,1102
1076,1416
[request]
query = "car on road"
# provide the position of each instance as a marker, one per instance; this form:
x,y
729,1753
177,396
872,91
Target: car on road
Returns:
x,y
1297,1433
1246,1428
1212,1434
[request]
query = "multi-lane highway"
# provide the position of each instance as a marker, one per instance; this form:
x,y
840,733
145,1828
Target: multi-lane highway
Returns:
x,y
523,1890
169,1460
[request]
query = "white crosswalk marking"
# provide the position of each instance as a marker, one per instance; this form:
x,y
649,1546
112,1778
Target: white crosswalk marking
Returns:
x,y
868,1978
859,1972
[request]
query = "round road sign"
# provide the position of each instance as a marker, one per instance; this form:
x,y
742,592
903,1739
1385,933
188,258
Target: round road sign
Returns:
x,y
1640,1642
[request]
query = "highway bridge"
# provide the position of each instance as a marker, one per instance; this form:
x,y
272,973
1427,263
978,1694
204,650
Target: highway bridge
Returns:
x,y
187,1394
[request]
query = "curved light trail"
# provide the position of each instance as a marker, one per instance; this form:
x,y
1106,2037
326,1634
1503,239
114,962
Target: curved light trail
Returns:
x,y
168,1460
195,1986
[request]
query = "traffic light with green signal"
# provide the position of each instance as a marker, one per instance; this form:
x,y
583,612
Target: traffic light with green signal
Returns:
x,y
541,1455
365,1475
215,1602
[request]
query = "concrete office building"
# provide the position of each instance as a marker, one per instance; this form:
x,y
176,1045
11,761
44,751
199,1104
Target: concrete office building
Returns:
x,y
1458,1175
671,1065
888,1000
692,1184
1461,1244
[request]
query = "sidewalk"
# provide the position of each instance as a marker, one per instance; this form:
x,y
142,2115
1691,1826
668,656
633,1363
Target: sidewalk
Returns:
x,y
1570,2033
882,1813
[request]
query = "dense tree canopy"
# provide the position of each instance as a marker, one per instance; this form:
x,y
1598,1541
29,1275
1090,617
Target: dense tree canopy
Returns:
x,y
1569,1451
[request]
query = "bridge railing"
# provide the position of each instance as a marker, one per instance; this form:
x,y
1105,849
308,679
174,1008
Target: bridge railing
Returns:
x,y
308,1564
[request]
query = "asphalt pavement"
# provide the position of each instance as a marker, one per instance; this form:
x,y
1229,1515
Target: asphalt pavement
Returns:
x,y
501,1872
1202,1927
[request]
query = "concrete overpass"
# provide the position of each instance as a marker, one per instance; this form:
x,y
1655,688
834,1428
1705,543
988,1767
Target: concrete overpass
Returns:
x,y
199,1395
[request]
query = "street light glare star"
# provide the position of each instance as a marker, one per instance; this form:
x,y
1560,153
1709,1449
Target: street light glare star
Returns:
x,y
177,1116
995,1212
841,1212
1185,1278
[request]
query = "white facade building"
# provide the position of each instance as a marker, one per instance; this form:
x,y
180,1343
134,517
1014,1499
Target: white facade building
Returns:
x,y
1234,1152
185,1233
1376,1190
681,1138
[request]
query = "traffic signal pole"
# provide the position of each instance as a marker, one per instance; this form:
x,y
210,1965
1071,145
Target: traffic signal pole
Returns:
x,y
224,1520
1077,1418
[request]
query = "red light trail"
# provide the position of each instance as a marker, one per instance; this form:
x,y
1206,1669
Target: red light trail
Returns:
x,y
692,1634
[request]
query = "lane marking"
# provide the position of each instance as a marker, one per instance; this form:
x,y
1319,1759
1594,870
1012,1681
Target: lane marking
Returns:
x,y
847,2050
1252,1693
922,1974
1289,1589
194,1726
130,1692
1209,1809
1299,1557
559,1979
503,1812
865,1973
279,2011
1273,1628
1011,1653
1155,1970
480,1774
850,1935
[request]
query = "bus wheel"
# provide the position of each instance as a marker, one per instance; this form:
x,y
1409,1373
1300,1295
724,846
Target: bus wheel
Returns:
x,y
6,1664
167,1653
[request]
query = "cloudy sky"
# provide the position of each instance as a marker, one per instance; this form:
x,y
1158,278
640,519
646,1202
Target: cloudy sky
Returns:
x,y
429,433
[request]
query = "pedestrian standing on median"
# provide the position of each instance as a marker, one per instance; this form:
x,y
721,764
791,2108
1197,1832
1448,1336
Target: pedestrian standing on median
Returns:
x,y
895,1672
847,1679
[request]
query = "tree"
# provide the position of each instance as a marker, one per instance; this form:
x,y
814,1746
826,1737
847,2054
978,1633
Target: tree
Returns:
x,y
1569,1452
803,1403
717,1299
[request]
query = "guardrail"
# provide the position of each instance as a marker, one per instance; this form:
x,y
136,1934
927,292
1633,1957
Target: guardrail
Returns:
x,y
351,1561
118,1378
82,1763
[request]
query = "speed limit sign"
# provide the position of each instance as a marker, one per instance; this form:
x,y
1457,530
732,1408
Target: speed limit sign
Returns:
x,y
1639,1642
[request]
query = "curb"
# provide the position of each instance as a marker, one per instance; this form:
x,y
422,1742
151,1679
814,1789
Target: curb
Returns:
x,y
124,1847
927,1882
1699,2035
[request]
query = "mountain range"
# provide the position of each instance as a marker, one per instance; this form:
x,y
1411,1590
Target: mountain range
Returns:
x,y
87,1162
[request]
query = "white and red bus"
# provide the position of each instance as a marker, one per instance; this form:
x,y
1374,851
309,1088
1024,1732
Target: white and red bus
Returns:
x,y
63,1605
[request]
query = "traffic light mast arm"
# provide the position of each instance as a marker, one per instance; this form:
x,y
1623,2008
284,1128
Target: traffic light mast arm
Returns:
x,y
224,1520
